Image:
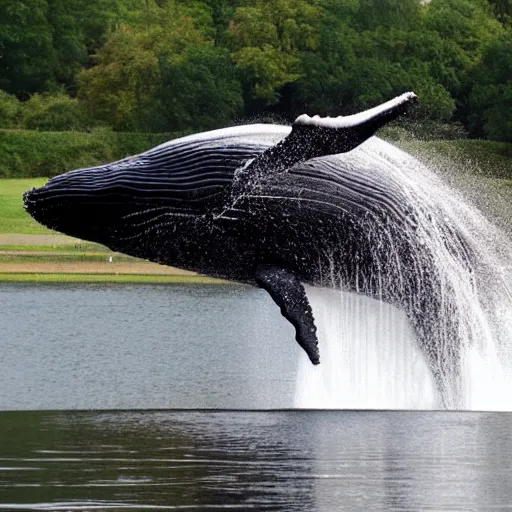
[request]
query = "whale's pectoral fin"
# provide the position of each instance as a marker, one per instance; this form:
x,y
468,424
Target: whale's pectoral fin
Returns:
x,y
289,294
332,135
313,137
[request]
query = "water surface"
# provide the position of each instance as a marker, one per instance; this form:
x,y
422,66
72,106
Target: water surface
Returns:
x,y
289,460
97,346
69,347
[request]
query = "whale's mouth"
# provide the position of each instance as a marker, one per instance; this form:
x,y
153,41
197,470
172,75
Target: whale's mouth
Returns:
x,y
108,216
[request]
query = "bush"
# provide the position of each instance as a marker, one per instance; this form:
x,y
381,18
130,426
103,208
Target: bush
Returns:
x,y
10,109
54,112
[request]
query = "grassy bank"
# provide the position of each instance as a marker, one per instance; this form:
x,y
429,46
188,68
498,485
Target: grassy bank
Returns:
x,y
79,248
31,256
105,278
39,255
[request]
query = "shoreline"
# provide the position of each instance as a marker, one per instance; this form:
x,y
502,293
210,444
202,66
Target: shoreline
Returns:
x,y
56,259
99,278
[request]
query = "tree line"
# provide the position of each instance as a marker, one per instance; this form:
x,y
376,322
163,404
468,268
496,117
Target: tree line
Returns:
x,y
187,65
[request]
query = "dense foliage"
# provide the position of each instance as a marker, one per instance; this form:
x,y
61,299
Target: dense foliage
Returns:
x,y
28,154
174,65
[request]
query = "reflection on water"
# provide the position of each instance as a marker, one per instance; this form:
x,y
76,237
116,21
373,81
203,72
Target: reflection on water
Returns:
x,y
291,460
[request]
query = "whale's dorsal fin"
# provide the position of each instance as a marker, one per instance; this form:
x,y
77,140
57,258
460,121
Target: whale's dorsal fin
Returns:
x,y
316,136
289,294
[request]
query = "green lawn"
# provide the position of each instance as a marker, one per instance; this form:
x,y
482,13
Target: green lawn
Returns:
x,y
78,248
13,218
30,256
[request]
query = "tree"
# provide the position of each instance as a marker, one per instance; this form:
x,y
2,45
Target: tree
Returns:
x,y
490,98
200,92
267,40
464,28
44,43
10,110
27,57
166,77
502,11
53,112
78,29
68,39
354,69
372,14
122,84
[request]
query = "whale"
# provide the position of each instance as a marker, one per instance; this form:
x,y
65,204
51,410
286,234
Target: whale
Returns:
x,y
318,203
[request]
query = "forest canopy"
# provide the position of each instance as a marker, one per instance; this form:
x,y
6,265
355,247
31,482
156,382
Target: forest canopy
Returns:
x,y
171,65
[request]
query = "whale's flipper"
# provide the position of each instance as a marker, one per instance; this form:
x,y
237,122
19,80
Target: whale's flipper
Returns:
x,y
289,294
313,137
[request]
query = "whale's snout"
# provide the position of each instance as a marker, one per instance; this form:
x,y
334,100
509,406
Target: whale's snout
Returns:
x,y
26,195
47,205
27,201
36,207
65,206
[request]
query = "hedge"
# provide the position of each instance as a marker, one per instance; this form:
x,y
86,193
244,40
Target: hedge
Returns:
x,y
32,154
484,158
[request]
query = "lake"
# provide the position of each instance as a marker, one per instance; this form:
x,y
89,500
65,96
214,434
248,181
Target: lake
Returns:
x,y
94,380
282,461
144,346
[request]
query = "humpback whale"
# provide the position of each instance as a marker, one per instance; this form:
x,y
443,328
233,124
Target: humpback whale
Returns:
x,y
278,207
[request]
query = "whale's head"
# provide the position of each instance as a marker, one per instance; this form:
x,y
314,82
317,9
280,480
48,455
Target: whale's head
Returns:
x,y
159,194
86,203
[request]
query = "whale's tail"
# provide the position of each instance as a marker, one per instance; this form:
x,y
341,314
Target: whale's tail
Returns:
x,y
313,137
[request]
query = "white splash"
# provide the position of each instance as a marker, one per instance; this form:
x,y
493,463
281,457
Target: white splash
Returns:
x,y
370,358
